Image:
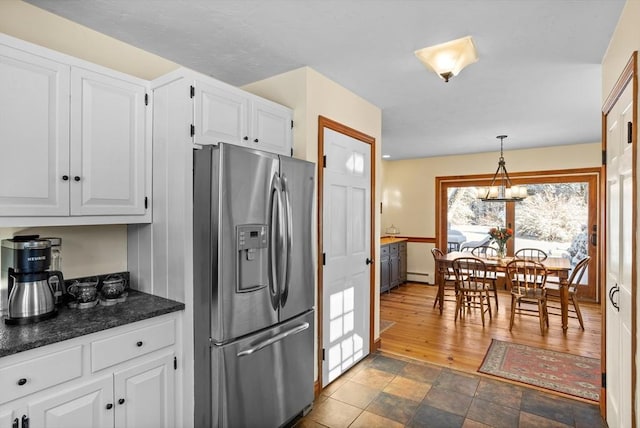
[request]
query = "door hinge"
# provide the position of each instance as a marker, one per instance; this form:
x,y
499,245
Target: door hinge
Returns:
x,y
146,99
324,259
629,132
175,363
146,202
322,354
604,157
192,91
193,130
292,124
604,380
291,151
324,161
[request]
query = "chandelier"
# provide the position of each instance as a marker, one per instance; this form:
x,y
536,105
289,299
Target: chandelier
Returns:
x,y
501,189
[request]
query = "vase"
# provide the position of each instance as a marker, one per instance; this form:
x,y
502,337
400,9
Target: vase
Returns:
x,y
502,252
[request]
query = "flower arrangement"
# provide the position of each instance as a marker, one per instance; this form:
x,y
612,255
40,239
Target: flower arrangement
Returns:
x,y
500,235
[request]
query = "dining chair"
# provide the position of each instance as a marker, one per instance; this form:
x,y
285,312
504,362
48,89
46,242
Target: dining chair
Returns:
x,y
472,286
535,254
527,279
444,274
553,291
492,276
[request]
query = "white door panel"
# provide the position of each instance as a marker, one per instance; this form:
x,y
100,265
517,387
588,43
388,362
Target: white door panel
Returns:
x,y
619,294
34,108
346,226
107,145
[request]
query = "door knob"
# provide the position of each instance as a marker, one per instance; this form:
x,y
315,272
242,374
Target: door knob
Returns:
x,y
369,261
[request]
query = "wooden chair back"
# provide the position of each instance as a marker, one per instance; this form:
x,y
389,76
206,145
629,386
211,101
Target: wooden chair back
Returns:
x,y
535,254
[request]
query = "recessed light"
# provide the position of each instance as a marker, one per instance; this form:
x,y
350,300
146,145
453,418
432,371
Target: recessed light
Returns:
x,y
386,156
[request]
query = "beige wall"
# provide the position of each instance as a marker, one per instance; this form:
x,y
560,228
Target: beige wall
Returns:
x,y
311,94
35,25
86,249
625,40
408,190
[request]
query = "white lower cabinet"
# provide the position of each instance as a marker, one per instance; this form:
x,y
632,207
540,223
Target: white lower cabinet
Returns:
x,y
86,406
136,391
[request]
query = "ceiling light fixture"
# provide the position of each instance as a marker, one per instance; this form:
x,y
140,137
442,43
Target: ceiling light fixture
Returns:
x,y
448,59
501,189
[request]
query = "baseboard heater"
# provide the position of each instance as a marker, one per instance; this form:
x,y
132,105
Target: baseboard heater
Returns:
x,y
424,277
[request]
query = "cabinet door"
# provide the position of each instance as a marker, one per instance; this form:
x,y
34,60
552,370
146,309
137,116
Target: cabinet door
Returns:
x,y
34,135
220,115
87,406
395,270
270,127
144,395
12,417
108,145
402,266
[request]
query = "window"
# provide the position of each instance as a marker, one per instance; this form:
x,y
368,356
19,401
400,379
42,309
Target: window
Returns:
x,y
559,216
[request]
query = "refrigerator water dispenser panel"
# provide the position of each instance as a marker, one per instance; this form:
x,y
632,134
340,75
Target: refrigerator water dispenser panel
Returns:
x,y
252,257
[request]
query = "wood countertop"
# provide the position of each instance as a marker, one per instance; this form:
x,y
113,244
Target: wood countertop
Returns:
x,y
391,240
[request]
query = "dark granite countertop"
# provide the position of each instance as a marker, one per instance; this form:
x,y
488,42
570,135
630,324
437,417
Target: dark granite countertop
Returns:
x,y
71,323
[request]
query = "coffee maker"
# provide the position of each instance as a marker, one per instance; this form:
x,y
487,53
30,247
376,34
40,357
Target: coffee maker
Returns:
x,y
25,289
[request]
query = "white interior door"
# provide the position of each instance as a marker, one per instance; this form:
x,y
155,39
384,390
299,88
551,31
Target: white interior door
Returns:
x,y
619,262
347,245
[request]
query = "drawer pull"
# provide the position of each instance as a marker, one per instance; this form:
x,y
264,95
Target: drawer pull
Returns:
x,y
22,381
121,401
16,423
139,344
109,406
25,421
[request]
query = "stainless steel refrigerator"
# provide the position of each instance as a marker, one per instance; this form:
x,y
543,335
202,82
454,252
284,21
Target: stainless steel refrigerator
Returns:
x,y
253,287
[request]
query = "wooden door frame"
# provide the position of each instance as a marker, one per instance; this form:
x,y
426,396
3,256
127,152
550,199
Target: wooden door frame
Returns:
x,y
629,75
324,122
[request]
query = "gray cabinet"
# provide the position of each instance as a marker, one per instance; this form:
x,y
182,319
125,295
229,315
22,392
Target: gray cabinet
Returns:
x,y
393,265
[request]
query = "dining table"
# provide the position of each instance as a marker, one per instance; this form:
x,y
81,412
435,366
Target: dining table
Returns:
x,y
556,266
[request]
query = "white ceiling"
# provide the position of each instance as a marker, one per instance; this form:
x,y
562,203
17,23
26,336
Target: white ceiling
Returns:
x,y
538,79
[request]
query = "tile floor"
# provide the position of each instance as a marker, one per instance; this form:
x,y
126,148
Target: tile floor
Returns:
x,y
388,391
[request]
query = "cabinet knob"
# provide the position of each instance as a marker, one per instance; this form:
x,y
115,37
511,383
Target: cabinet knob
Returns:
x,y
139,344
109,406
255,141
22,381
65,178
76,178
121,401
245,138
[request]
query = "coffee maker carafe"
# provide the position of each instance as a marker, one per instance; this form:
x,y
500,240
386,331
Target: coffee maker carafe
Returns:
x,y
26,280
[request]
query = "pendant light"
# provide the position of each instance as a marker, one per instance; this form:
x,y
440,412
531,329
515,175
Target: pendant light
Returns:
x,y
501,189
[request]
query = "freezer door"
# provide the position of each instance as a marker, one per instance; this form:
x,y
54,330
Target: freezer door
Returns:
x,y
265,379
297,179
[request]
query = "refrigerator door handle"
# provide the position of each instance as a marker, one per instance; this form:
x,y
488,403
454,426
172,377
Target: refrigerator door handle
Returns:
x,y
288,240
275,239
270,341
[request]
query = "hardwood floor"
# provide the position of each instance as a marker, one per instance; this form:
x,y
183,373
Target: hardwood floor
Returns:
x,y
420,331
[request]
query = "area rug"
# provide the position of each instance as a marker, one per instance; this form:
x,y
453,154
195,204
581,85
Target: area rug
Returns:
x,y
557,371
385,325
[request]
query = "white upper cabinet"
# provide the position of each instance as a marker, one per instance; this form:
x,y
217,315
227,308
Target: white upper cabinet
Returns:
x,y
271,126
107,145
226,114
220,114
34,134
74,145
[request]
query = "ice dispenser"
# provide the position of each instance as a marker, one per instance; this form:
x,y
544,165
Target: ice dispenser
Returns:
x,y
252,272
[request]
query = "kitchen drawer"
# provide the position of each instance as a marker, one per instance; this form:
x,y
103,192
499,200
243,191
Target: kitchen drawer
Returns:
x,y
132,344
384,250
36,374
